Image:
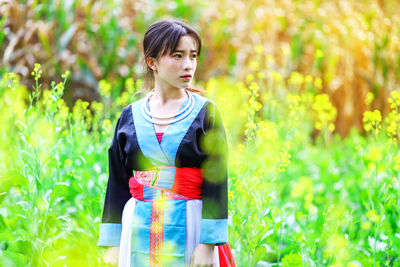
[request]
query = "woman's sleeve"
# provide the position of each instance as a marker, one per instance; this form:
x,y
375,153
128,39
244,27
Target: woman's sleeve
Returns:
x,y
214,222
117,193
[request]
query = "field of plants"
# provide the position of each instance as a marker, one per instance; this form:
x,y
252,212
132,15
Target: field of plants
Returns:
x,y
309,92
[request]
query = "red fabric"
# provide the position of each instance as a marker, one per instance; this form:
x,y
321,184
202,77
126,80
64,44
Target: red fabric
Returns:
x,y
136,189
159,137
225,256
188,182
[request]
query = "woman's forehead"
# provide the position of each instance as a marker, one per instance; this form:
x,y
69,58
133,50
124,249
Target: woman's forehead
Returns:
x,y
186,42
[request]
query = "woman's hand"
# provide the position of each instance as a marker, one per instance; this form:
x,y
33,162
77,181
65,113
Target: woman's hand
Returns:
x,y
111,256
203,256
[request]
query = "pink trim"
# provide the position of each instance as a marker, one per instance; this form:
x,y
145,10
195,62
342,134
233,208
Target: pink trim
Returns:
x,y
159,137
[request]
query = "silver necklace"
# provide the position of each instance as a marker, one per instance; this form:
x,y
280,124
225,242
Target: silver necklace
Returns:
x,y
167,119
147,109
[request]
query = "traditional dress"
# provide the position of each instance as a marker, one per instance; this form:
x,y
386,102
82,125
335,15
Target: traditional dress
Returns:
x,y
164,198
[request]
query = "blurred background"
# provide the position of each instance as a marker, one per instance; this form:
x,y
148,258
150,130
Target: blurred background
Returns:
x,y
309,93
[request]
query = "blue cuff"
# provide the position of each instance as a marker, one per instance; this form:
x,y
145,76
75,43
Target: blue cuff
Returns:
x,y
110,235
214,231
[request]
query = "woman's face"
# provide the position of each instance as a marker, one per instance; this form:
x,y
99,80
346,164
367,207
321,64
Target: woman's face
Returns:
x,y
171,68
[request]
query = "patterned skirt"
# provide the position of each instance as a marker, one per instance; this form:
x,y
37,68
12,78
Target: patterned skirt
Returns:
x,y
161,233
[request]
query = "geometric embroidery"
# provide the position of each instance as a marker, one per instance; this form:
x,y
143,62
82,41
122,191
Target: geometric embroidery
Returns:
x,y
156,232
147,177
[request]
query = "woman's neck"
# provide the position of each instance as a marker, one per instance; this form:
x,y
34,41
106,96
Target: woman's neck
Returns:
x,y
164,94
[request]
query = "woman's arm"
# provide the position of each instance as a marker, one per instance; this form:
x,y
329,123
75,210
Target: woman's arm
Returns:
x,y
117,193
214,222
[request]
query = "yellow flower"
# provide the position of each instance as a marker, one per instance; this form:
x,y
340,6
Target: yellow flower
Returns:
x,y
331,127
57,91
318,83
106,127
374,154
324,112
13,77
294,103
372,120
296,78
97,108
63,113
37,72
123,99
47,100
79,110
104,88
394,101
392,122
65,75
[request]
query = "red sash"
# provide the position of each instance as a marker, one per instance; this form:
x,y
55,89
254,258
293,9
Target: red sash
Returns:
x,y
187,182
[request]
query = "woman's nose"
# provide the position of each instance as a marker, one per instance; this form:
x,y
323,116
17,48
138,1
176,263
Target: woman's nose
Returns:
x,y
187,63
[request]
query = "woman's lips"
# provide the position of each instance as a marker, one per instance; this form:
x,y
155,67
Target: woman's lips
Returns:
x,y
187,77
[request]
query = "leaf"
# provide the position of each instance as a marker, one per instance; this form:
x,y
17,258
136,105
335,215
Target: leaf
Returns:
x,y
259,254
267,234
59,189
2,197
11,258
292,260
2,222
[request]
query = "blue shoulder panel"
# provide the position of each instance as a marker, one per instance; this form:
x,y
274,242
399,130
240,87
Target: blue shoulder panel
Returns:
x,y
146,136
175,132
164,153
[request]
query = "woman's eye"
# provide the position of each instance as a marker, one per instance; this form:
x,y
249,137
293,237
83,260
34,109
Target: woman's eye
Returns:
x,y
177,55
194,56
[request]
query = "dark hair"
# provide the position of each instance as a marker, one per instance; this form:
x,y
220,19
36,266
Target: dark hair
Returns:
x,y
162,37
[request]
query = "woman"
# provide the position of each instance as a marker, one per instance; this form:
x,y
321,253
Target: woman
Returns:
x,y
166,199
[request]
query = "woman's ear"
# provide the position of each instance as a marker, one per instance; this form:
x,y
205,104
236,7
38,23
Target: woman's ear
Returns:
x,y
151,63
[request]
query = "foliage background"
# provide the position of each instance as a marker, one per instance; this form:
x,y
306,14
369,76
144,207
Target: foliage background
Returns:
x,y
309,92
